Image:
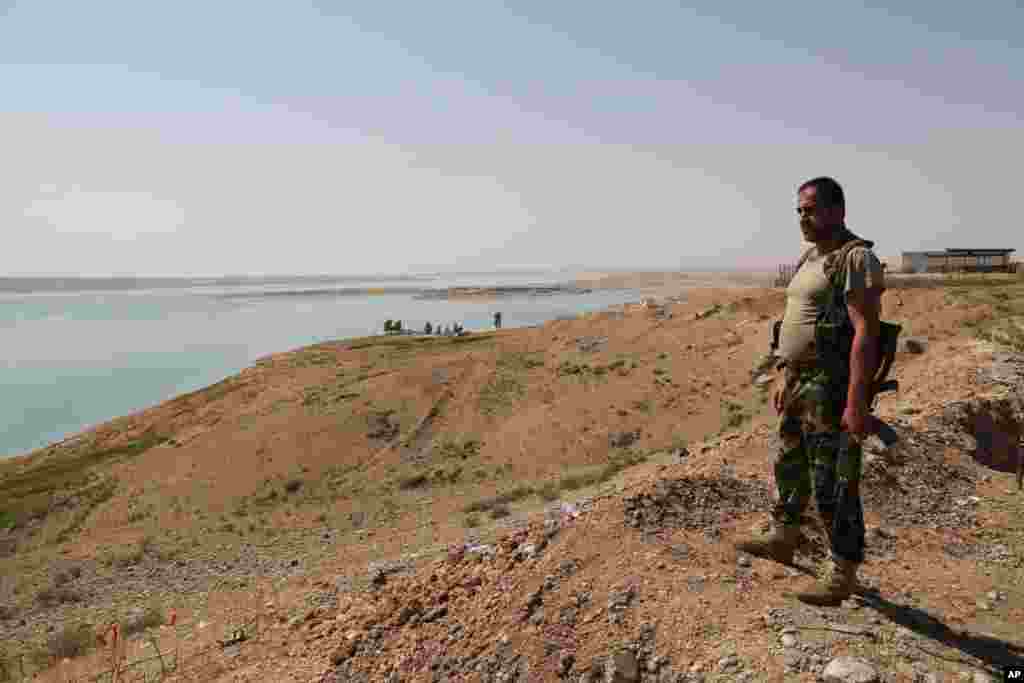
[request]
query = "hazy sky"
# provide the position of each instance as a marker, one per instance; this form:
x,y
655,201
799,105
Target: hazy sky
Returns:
x,y
202,138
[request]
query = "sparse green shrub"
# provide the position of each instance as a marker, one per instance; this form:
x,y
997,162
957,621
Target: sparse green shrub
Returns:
x,y
293,485
462,451
579,480
502,391
548,491
71,641
447,476
29,494
151,618
51,597
413,481
128,555
567,368
736,414
519,361
6,667
501,499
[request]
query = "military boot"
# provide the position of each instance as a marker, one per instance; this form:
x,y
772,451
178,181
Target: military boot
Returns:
x,y
837,584
778,545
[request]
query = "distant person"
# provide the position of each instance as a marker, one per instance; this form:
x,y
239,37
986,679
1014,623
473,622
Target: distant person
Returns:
x,y
497,320
826,363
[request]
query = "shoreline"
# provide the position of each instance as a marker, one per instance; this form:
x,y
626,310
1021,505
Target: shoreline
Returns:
x,y
453,294
643,287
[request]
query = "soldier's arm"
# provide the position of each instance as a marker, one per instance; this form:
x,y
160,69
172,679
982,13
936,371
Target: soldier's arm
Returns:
x,y
864,307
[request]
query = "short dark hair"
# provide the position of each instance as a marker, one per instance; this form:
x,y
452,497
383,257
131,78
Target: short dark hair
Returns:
x,y
827,190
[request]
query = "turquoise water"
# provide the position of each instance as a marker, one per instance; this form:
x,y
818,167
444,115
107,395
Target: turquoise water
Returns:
x,y
72,360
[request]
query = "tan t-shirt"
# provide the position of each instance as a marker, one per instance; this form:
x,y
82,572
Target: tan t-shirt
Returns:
x,y
807,294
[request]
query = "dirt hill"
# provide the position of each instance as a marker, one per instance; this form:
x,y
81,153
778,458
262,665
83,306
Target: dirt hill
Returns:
x,y
534,504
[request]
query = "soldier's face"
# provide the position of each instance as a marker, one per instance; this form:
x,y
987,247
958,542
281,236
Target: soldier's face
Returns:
x,y
817,221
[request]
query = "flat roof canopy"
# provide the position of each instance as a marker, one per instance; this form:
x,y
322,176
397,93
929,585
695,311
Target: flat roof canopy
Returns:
x,y
980,251
964,252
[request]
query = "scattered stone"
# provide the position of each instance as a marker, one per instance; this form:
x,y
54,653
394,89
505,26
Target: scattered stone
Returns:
x,y
793,659
590,344
344,652
850,670
919,491
568,567
914,345
566,660
679,552
622,668
789,640
135,621
619,601
728,662
526,551
694,503
624,439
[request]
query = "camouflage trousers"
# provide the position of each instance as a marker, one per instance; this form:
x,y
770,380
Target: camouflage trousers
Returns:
x,y
816,456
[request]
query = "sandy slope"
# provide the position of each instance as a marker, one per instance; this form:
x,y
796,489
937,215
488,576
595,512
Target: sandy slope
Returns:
x,y
276,491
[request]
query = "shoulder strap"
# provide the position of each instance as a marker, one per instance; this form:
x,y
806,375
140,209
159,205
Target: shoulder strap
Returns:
x,y
836,263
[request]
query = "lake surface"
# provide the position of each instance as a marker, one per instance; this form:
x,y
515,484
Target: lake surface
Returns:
x,y
75,355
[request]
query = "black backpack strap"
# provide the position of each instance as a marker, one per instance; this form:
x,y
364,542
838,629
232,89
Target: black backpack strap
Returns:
x,y
837,264
888,333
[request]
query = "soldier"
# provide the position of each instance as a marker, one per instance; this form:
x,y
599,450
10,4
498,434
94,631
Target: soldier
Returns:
x,y
826,361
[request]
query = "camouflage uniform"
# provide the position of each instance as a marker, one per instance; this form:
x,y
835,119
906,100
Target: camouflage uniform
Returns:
x,y
812,457
816,455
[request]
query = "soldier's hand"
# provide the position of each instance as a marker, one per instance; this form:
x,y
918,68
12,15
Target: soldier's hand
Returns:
x,y
855,418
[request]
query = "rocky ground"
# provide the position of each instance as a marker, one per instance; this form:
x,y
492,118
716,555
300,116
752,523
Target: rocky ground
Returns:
x,y
557,503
